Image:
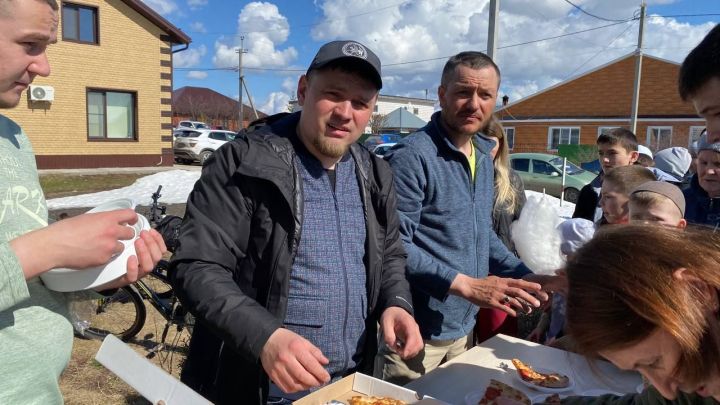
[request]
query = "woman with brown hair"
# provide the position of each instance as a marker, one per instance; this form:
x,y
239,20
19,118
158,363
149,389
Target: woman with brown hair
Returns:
x,y
646,299
509,201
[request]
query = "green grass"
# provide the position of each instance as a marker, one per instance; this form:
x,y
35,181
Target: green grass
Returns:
x,y
62,185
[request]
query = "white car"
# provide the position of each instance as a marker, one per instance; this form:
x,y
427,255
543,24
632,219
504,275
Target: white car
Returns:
x,y
199,145
192,125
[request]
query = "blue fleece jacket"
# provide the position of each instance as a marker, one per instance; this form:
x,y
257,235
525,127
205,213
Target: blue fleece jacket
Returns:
x,y
446,226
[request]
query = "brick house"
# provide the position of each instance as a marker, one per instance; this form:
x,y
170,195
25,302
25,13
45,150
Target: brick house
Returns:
x,y
577,110
107,102
209,106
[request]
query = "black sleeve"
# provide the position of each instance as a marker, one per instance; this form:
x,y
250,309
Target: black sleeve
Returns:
x,y
394,287
213,240
519,192
586,203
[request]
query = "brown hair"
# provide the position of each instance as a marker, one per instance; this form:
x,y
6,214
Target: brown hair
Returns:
x,y
623,137
472,59
622,289
505,194
626,178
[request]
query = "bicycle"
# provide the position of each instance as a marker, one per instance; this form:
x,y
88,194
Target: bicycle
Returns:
x,y
123,314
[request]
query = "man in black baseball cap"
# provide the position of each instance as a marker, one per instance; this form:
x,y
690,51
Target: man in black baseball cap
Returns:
x,y
290,250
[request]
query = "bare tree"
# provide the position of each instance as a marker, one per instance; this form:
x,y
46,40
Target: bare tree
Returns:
x,y
377,123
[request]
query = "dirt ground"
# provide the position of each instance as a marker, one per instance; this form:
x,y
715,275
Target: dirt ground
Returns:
x,y
86,382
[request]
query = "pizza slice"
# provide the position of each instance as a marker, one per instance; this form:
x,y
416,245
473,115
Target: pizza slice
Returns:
x,y
369,400
548,380
498,393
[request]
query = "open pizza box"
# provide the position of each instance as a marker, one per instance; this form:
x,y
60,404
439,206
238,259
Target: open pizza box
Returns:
x,y
361,384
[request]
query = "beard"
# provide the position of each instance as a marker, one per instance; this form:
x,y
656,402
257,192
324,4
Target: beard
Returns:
x,y
329,149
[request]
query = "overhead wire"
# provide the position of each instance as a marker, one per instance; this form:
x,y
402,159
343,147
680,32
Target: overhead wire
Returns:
x,y
600,51
590,14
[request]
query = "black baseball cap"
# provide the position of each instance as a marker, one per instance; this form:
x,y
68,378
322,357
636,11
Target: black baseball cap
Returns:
x,y
353,52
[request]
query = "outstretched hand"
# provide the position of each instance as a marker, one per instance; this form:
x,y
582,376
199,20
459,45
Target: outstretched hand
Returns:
x,y
506,294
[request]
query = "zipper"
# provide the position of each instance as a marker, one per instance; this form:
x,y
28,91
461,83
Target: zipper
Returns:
x,y
346,358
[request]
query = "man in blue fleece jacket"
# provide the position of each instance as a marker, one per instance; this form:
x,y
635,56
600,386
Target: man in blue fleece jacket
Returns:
x,y
444,182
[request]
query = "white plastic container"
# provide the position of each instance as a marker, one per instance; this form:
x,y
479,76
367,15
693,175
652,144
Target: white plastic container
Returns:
x,y
66,280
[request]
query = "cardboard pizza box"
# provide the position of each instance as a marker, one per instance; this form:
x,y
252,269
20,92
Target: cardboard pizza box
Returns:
x,y
361,384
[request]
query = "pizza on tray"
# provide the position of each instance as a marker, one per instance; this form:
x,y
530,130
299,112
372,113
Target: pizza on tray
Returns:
x,y
547,380
498,393
367,400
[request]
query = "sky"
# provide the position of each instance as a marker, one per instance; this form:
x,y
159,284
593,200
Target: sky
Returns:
x,y
414,38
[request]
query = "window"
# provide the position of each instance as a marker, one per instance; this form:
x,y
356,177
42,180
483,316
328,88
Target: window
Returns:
x,y
111,115
510,136
694,135
659,138
563,136
605,130
416,111
79,23
520,165
540,167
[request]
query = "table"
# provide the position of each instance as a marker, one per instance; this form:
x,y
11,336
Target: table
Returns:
x,y
472,371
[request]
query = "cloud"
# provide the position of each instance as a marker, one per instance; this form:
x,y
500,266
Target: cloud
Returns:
x,y
427,32
276,102
162,7
189,57
197,75
265,31
198,27
196,4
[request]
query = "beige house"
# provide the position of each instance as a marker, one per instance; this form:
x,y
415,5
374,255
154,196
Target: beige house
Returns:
x,y
107,102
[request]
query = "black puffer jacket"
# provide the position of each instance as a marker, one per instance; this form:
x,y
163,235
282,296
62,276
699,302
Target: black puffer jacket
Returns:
x,y
238,242
700,209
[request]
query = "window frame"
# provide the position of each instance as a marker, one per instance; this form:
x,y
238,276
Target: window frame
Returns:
x,y
648,132
600,129
77,6
550,133
136,135
690,131
510,145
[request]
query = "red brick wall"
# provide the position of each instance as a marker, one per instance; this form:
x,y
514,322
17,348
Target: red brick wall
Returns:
x,y
608,93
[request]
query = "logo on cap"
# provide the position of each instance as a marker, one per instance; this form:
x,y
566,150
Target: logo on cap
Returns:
x,y
354,49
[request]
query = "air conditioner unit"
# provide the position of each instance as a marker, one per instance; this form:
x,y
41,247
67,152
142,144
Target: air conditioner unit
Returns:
x,y
42,93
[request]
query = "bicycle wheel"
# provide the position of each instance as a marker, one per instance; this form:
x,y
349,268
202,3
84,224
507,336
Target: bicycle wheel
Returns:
x,y
158,280
122,314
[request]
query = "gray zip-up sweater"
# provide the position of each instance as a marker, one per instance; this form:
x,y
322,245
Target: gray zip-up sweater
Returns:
x,y
446,226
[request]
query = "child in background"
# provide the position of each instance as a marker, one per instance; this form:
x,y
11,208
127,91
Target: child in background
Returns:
x,y
660,202
618,147
574,234
615,193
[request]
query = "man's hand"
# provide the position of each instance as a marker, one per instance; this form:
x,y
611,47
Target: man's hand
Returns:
x,y
400,332
292,362
80,242
550,284
149,249
506,294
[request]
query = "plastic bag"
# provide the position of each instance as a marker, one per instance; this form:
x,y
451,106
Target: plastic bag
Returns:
x,y
81,306
536,237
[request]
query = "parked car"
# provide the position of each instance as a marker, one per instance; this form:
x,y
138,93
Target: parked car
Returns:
x,y
199,145
542,171
192,125
382,149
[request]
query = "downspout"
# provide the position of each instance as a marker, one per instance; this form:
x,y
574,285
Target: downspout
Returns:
x,y
173,51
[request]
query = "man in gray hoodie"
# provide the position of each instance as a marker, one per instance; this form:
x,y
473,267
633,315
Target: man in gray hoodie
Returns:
x,y
444,182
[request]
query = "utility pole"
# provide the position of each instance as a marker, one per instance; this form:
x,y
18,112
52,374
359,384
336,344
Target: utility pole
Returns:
x,y
241,79
638,70
493,29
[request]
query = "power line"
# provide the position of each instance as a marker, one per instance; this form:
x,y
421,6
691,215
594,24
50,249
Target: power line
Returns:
x,y
600,51
433,59
593,15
